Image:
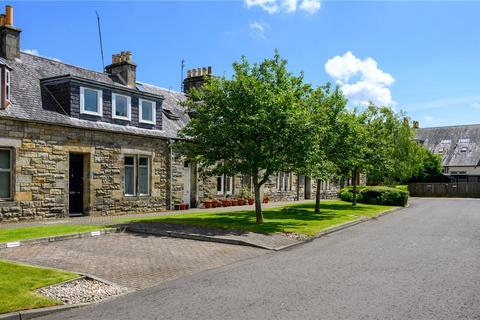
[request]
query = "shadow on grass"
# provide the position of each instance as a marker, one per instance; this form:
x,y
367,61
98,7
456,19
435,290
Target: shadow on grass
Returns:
x,y
239,222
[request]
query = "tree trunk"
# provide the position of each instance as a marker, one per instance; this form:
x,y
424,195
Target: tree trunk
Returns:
x,y
354,181
317,197
258,201
298,188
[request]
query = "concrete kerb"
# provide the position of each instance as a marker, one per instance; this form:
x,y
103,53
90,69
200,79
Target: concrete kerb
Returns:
x,y
342,227
94,233
34,313
199,237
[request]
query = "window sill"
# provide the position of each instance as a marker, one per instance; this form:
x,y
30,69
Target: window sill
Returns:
x,y
91,113
121,118
147,122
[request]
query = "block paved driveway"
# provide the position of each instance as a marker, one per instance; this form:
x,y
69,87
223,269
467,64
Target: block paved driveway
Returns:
x,y
130,260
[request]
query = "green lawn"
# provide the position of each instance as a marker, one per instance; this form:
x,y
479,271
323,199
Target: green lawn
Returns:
x,y
16,234
18,283
297,218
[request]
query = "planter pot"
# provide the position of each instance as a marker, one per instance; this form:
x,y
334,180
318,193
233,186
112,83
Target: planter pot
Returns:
x,y
251,201
234,202
265,200
241,202
183,206
207,204
226,203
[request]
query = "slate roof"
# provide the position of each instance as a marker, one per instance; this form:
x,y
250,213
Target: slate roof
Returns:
x,y
459,145
26,97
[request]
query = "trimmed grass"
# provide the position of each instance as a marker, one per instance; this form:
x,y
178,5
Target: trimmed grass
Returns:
x,y
17,234
18,283
297,218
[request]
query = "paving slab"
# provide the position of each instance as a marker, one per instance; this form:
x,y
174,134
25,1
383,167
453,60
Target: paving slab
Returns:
x,y
178,230
132,261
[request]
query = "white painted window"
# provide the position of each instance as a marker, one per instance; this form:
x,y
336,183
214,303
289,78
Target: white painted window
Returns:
x,y
7,85
91,101
137,176
121,107
147,112
130,173
143,176
5,174
228,183
284,181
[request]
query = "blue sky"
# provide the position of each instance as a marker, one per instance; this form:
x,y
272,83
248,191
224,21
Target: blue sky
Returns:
x,y
420,57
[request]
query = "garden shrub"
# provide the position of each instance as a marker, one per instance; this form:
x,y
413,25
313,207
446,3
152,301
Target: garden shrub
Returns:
x,y
377,195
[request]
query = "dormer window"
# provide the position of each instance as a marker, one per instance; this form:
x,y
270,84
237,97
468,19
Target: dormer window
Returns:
x,y
122,106
7,84
91,101
147,111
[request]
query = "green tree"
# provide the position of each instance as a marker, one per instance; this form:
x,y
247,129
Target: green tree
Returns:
x,y
245,124
325,108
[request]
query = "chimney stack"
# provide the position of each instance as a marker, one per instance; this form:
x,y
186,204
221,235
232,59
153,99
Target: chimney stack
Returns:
x,y
416,125
123,67
196,77
9,35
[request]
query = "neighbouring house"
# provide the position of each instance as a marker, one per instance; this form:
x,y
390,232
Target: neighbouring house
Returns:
x,y
79,142
459,147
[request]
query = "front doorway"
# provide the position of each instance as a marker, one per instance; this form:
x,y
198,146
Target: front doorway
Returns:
x,y
76,185
187,183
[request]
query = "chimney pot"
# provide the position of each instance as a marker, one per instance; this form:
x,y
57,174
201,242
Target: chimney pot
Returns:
x,y
194,72
204,71
199,71
189,73
209,70
9,15
416,125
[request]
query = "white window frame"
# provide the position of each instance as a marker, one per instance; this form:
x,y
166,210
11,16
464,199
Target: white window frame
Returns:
x,y
148,176
10,171
154,112
8,87
229,186
134,176
99,102
114,107
284,181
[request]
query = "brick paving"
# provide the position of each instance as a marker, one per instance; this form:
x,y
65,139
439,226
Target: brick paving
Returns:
x,y
132,260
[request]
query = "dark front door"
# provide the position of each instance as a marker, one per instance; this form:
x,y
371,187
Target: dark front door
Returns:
x,y
76,184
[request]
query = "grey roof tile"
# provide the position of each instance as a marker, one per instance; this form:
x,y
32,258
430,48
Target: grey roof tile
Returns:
x,y
28,103
452,143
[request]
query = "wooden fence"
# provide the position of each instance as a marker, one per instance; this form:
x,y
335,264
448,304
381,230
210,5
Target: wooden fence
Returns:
x,y
459,189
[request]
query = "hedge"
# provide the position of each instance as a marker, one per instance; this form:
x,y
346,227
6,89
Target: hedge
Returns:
x,y
376,195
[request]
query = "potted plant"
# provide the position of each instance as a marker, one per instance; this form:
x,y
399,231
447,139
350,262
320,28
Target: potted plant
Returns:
x,y
234,202
226,201
215,203
241,201
207,201
247,194
265,199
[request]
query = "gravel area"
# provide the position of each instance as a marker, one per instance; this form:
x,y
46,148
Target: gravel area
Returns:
x,y
81,291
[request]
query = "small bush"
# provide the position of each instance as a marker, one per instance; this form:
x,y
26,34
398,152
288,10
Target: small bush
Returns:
x,y
346,194
377,195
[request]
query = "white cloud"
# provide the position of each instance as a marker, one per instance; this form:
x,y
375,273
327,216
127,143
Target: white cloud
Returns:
x,y
370,83
285,6
310,6
36,53
258,29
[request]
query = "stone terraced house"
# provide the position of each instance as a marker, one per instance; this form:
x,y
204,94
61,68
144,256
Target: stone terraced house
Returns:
x,y
79,142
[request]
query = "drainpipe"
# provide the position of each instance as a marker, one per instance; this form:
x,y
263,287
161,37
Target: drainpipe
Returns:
x,y
170,145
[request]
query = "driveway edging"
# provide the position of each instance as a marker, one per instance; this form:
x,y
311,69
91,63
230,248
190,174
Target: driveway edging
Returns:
x,y
93,233
343,226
